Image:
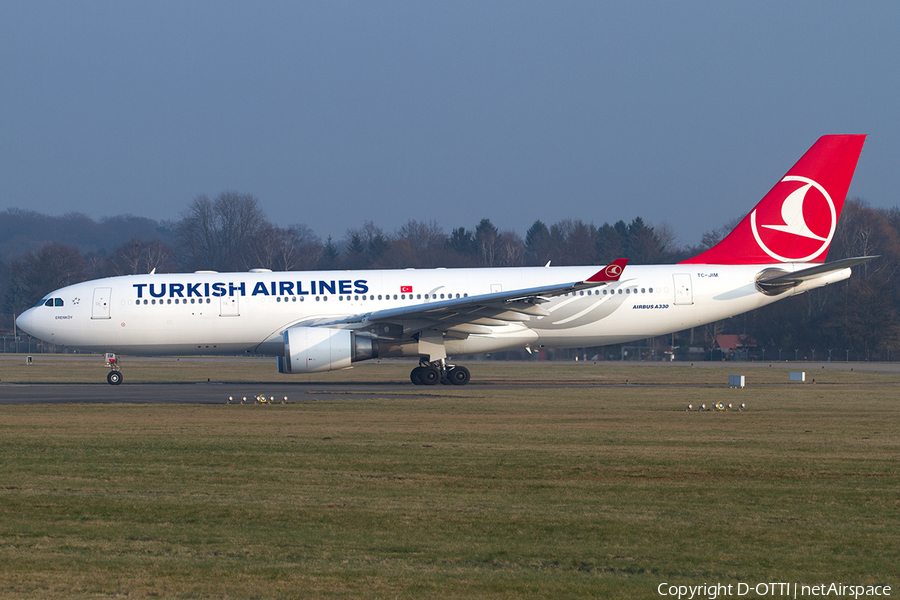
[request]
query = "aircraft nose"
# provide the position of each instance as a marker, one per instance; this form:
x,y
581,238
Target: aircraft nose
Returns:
x,y
27,322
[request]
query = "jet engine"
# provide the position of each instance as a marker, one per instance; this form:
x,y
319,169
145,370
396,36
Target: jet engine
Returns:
x,y
317,349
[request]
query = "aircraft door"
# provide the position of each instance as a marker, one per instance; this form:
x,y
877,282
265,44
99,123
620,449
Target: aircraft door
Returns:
x,y
229,307
684,293
100,305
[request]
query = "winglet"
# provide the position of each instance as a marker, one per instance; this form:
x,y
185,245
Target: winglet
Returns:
x,y
611,272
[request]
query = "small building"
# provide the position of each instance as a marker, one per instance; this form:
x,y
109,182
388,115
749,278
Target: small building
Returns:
x,y
735,346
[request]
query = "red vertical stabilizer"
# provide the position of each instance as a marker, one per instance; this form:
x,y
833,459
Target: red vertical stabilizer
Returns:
x,y
796,220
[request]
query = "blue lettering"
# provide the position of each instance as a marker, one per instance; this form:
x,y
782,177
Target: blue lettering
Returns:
x,y
206,289
140,288
218,290
176,289
233,288
344,286
274,293
193,289
287,288
361,286
300,291
161,293
326,285
260,288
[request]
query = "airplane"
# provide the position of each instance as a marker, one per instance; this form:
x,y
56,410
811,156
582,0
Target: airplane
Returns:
x,y
317,321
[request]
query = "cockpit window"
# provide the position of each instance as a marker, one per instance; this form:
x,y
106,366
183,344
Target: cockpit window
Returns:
x,y
52,302
57,302
49,302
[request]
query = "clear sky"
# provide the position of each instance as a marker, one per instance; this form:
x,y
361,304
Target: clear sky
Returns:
x,y
333,113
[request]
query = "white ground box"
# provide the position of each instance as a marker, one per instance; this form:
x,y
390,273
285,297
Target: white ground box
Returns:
x,y
736,381
798,376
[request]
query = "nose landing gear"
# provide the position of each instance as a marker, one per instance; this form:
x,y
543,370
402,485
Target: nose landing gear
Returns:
x,y
114,377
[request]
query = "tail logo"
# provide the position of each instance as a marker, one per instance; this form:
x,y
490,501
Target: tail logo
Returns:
x,y
613,271
804,226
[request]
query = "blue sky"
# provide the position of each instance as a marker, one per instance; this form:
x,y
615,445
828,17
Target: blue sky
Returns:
x,y
334,113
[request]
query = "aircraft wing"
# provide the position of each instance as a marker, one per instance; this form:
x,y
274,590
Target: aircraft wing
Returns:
x,y
473,314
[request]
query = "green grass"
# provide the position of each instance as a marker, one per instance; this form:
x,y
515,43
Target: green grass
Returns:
x,y
68,369
536,493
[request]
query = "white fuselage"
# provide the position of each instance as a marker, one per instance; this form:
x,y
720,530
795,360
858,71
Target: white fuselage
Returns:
x,y
229,313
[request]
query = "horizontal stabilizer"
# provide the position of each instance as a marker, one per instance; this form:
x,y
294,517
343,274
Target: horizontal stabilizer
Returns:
x,y
815,272
773,282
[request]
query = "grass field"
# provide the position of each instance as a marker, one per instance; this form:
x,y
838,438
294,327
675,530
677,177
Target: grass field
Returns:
x,y
458,492
66,369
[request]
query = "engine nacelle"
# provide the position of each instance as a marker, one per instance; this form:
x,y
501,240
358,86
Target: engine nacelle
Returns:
x,y
317,349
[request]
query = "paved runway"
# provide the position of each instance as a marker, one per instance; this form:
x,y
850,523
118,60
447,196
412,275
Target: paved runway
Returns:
x,y
204,393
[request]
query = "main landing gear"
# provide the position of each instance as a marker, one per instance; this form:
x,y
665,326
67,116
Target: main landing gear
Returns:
x,y
114,377
432,373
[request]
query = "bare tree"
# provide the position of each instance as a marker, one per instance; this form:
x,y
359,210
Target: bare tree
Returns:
x,y
35,274
138,256
220,234
293,249
512,250
417,244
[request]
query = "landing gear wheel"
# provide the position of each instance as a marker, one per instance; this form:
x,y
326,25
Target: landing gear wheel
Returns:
x,y
114,378
430,375
416,376
458,375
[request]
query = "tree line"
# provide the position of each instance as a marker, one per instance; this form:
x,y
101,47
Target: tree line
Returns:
x,y
230,232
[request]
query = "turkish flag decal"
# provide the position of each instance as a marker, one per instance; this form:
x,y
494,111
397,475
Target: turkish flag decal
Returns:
x,y
406,289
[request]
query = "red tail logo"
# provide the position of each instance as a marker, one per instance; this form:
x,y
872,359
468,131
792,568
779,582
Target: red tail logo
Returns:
x,y
796,220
